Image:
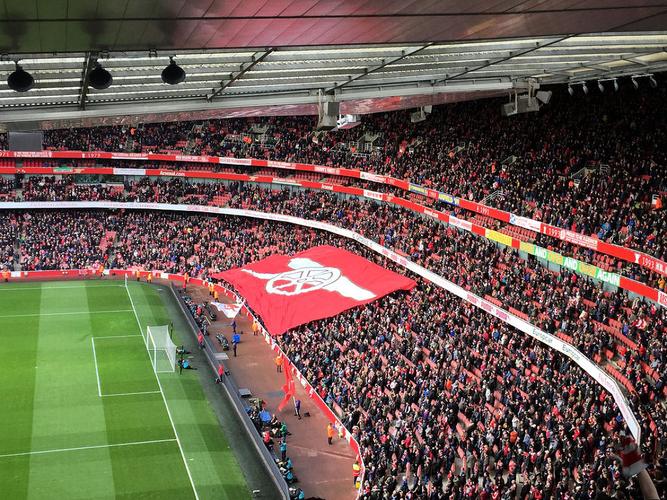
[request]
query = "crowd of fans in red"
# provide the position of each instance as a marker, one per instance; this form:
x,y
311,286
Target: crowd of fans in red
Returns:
x,y
440,395
41,189
412,354
618,137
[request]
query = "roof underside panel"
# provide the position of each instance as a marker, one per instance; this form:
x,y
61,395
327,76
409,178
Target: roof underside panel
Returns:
x,y
82,25
287,54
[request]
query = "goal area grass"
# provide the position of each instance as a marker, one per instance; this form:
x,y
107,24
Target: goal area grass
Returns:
x,y
83,414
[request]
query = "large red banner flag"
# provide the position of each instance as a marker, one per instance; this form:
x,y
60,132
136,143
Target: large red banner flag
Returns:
x,y
287,291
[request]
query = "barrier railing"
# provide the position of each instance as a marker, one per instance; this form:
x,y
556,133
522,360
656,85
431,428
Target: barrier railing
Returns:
x,y
569,262
599,375
312,393
234,398
630,255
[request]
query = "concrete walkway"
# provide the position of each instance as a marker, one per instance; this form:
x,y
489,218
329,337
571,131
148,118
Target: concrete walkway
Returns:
x,y
323,471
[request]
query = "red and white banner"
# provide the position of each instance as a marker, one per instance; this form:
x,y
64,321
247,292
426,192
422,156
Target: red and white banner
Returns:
x,y
229,310
288,291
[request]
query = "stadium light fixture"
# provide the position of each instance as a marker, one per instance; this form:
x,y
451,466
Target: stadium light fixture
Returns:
x,y
20,80
600,86
99,78
584,87
570,90
615,85
635,83
653,81
173,74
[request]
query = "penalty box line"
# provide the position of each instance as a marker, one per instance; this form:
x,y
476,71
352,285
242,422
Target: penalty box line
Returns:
x,y
129,393
94,447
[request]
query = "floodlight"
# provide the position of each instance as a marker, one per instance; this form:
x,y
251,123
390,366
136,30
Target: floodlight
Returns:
x,y
173,74
20,80
99,78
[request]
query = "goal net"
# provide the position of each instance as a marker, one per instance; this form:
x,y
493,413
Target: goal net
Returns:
x,y
161,349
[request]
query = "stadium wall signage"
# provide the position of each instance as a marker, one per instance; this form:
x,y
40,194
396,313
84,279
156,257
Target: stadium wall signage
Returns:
x,y
530,248
623,253
599,375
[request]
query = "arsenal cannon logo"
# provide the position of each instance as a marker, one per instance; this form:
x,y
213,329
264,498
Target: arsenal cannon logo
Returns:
x,y
306,276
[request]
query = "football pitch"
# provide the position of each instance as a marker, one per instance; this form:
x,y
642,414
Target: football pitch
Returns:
x,y
83,414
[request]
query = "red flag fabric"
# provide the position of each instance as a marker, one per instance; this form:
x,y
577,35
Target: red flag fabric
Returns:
x,y
287,291
289,388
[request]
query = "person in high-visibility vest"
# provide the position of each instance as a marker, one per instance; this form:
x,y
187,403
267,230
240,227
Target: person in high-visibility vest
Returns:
x,y
136,274
330,433
211,288
215,295
255,328
149,278
5,275
356,471
279,363
186,278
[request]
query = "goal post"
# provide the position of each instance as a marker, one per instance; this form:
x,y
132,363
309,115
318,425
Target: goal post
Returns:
x,y
161,350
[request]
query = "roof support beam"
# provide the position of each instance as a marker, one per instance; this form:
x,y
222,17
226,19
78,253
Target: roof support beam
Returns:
x,y
129,112
615,73
598,68
384,64
635,60
511,55
87,67
245,67
604,69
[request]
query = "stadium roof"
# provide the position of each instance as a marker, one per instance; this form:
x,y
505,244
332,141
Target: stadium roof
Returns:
x,y
285,56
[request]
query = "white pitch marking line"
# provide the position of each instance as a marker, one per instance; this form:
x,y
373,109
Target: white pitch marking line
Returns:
x,y
97,372
118,336
185,462
68,313
129,393
42,452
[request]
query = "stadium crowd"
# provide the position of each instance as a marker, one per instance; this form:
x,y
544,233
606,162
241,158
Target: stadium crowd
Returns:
x,y
445,400
532,162
51,188
198,244
552,301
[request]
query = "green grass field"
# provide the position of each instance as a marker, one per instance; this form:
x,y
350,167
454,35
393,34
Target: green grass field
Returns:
x,y
83,415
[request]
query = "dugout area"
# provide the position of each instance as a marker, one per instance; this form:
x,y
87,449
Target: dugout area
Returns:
x,y
84,415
